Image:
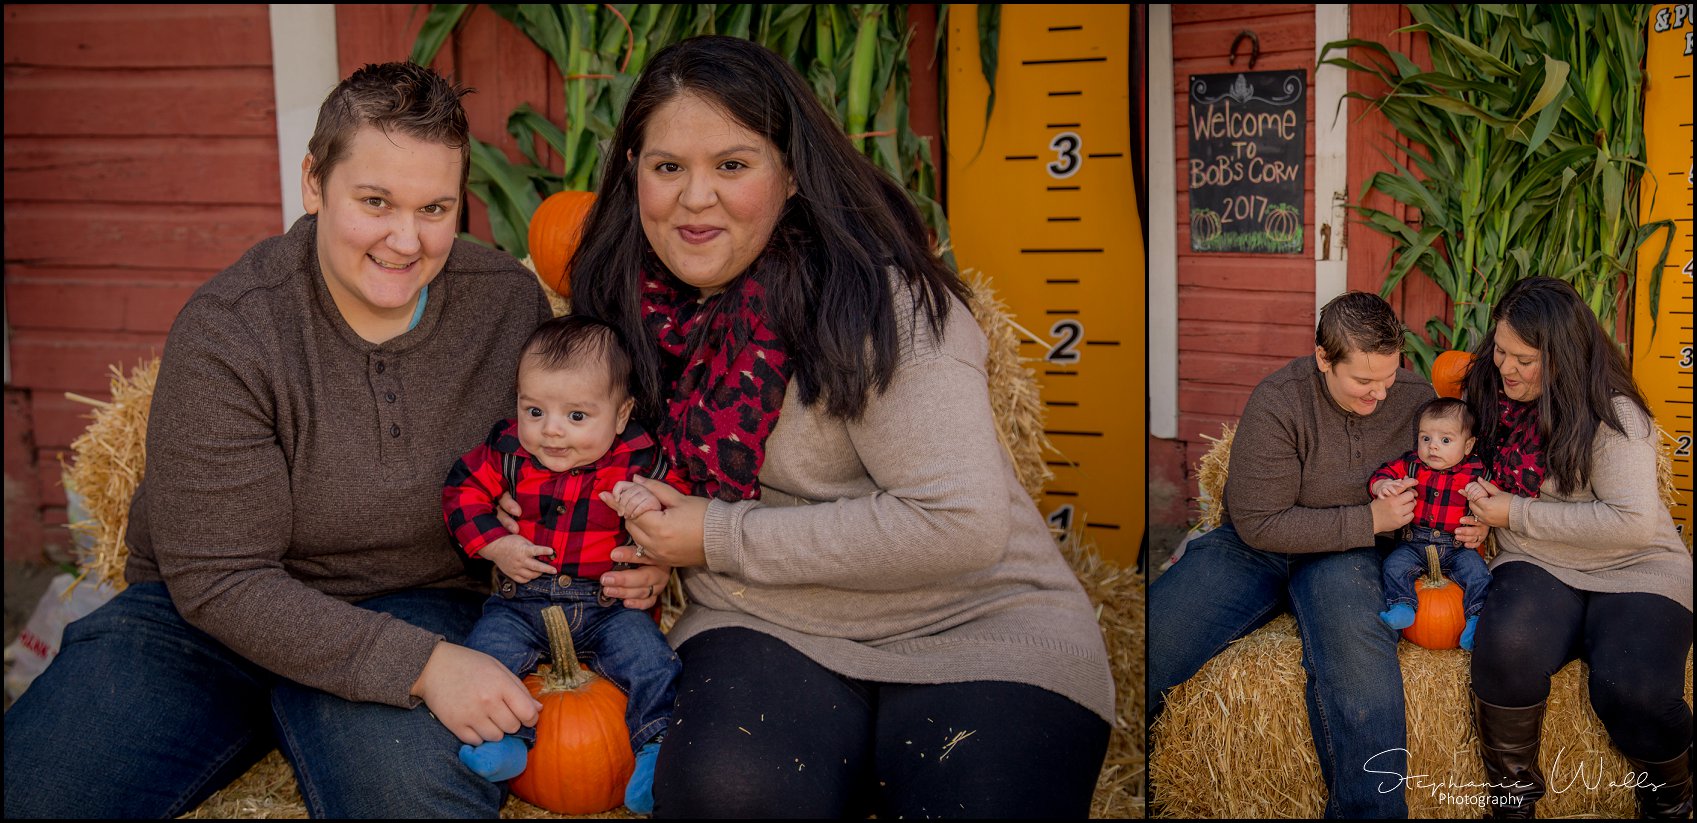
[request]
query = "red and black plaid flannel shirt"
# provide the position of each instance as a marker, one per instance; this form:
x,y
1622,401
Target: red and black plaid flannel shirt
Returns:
x,y
1439,503
562,510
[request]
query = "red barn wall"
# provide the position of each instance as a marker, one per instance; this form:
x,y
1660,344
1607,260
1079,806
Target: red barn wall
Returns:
x,y
1240,316
140,159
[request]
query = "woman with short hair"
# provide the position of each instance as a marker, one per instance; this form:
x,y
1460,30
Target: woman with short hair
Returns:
x,y
290,581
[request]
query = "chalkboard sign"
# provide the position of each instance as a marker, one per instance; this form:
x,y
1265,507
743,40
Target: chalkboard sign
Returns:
x,y
1247,139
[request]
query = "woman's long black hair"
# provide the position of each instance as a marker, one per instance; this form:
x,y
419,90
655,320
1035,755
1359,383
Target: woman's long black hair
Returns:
x,y
1582,371
826,269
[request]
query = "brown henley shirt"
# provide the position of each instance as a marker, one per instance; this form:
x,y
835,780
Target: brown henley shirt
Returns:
x,y
293,468
1299,463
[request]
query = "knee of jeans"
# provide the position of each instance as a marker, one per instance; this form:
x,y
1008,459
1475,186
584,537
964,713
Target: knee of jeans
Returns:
x,y
421,781
1358,657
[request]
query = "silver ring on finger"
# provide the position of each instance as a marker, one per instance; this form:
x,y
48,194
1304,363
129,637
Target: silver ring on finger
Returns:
x,y
650,590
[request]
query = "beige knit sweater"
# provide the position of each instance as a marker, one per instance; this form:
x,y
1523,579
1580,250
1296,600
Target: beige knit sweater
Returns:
x,y
900,547
1614,535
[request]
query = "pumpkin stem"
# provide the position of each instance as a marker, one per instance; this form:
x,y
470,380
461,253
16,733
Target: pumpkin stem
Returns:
x,y
565,674
1434,570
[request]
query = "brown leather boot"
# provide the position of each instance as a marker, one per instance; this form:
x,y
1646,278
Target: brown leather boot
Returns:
x,y
1508,742
1665,792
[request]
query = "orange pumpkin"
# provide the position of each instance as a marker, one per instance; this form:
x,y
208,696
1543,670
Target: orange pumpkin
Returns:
x,y
582,758
1448,372
1439,617
555,229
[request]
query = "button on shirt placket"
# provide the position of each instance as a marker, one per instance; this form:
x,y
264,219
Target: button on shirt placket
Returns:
x,y
386,394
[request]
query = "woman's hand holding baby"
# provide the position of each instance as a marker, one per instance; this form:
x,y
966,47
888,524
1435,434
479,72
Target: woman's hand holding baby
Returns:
x,y
518,558
1392,487
674,534
1490,505
640,584
1393,504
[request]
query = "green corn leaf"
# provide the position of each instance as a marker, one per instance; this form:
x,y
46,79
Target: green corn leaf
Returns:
x,y
1458,106
1420,353
1408,189
525,122
1407,259
737,22
1489,63
989,47
438,24
1547,120
861,73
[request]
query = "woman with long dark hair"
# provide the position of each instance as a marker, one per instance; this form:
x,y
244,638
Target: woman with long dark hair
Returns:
x,y
1590,565
878,620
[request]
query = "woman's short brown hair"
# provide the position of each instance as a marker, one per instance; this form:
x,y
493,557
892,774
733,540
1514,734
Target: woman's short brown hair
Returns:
x,y
1358,321
406,97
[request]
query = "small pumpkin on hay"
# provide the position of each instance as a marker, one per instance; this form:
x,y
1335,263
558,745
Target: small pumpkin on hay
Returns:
x,y
582,758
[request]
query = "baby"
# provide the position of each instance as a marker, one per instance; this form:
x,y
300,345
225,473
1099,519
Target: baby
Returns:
x,y
572,441
1442,464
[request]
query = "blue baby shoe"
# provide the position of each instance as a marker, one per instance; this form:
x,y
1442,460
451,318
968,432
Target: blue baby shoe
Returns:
x,y
639,792
501,760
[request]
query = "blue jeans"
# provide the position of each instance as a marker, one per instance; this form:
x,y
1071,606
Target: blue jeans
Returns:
x,y
1224,589
622,645
143,715
1460,564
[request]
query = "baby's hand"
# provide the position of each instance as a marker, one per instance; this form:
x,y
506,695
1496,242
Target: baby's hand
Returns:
x,y
1391,487
518,558
631,500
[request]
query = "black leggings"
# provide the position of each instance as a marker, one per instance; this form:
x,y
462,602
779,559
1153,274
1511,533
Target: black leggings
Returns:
x,y
1634,643
760,730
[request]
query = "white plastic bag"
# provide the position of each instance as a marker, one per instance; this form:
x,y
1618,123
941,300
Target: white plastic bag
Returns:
x,y
28,655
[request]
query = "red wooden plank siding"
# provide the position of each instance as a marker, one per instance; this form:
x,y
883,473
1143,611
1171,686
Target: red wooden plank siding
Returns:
x,y
1416,298
1240,316
140,159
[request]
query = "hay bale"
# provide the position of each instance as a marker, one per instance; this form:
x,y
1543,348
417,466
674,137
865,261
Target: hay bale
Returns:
x,y
1117,594
1233,741
1016,399
1211,479
109,457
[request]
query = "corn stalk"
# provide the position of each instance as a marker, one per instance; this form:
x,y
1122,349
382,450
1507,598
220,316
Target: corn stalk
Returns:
x,y
1527,148
854,57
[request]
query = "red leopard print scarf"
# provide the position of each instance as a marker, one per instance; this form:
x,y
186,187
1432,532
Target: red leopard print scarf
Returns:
x,y
1518,467
724,373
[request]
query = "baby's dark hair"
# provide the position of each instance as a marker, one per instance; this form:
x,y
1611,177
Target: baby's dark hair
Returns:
x,y
1445,408
574,341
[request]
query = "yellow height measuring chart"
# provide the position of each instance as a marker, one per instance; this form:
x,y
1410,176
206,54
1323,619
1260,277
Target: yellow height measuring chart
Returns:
x,y
1047,209
1662,362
